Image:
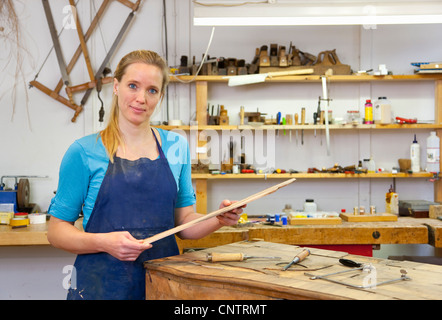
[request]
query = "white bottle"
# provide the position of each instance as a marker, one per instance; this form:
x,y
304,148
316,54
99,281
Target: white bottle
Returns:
x,y
382,111
433,152
371,166
415,156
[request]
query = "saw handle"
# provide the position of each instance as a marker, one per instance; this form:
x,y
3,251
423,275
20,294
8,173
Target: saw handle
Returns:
x,y
217,257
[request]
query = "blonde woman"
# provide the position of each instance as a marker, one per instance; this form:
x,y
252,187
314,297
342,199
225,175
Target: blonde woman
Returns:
x,y
130,181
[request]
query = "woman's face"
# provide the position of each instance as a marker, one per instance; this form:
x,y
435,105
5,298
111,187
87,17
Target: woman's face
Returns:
x,y
139,92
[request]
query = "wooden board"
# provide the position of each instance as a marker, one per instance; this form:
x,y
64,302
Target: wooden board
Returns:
x,y
368,217
190,276
315,221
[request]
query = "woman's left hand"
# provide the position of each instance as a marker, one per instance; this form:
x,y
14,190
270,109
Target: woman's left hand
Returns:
x,y
229,218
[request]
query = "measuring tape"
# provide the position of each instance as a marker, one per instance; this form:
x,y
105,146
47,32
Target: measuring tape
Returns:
x,y
18,222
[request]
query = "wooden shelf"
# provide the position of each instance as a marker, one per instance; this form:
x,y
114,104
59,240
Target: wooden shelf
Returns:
x,y
312,175
202,83
317,78
308,127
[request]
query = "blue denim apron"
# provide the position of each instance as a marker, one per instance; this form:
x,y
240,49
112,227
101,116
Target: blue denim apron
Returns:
x,y
135,196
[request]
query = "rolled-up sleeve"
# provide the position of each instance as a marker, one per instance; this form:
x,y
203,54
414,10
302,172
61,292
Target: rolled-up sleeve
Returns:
x,y
73,184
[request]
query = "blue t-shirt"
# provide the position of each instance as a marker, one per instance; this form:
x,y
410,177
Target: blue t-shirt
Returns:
x,y
84,166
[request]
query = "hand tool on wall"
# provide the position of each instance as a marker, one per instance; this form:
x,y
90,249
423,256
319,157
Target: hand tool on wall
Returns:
x,y
261,77
296,123
219,257
298,258
278,122
56,42
302,122
82,42
218,212
111,52
82,48
325,98
289,119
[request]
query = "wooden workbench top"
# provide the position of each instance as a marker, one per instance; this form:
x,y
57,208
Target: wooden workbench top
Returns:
x,y
191,276
404,231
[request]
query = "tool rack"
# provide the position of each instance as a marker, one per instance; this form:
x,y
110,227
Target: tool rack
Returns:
x,y
202,87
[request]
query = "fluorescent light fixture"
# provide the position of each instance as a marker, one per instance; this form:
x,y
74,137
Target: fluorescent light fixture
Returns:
x,y
301,12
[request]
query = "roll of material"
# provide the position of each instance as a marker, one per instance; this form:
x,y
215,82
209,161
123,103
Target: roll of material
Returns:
x,y
18,222
37,218
175,123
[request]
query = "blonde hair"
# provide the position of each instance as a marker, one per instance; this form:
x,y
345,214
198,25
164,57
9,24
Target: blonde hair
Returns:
x,y
111,135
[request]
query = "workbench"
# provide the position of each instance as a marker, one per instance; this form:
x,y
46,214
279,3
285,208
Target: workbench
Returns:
x,y
404,231
191,276
354,237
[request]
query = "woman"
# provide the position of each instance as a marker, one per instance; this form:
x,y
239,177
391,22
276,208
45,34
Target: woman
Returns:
x,y
130,181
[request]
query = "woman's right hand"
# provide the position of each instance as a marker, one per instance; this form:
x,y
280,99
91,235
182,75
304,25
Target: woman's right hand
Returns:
x,y
123,246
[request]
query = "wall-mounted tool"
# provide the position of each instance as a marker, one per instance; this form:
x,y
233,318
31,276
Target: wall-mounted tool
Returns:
x,y
302,122
66,69
223,117
327,100
289,119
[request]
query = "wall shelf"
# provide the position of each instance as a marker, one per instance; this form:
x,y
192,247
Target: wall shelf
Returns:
x,y
304,175
202,88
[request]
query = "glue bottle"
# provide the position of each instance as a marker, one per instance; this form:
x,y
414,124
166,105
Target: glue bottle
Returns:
x,y
415,156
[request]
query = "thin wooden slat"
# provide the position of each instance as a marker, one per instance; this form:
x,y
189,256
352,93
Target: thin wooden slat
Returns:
x,y
218,212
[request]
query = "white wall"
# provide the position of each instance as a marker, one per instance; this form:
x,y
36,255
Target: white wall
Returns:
x,y
36,133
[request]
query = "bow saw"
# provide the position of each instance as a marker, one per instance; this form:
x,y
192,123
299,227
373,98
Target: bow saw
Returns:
x,y
97,78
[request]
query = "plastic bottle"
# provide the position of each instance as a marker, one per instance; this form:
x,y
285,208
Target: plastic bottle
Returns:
x,y
368,112
371,166
382,111
433,152
415,156
310,205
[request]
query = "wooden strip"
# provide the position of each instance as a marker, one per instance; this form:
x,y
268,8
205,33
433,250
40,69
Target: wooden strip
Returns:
x,y
83,43
87,35
218,212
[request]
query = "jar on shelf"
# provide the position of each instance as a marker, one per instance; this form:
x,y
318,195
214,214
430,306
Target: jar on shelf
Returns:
x,y
353,117
310,205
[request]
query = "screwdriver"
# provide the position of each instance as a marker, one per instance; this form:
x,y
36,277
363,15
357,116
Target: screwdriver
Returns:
x,y
217,257
298,258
